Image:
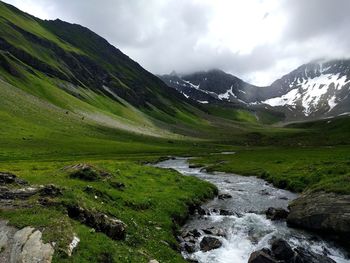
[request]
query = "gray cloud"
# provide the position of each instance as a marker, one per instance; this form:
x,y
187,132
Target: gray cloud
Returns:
x,y
184,35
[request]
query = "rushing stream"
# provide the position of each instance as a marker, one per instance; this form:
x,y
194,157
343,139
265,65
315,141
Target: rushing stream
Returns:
x,y
248,230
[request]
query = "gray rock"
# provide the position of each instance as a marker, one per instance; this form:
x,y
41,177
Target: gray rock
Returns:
x,y
9,178
27,192
112,227
209,243
214,231
22,193
23,246
326,213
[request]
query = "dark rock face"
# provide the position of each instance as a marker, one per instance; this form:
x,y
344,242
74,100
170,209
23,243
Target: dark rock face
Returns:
x,y
189,247
209,85
224,212
305,256
327,213
209,243
282,252
276,213
113,228
261,257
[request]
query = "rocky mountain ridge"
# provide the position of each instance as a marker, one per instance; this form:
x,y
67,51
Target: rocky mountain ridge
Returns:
x,y
315,90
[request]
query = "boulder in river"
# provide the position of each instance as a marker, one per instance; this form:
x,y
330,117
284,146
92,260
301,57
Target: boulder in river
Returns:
x,y
307,256
224,212
189,247
261,257
214,231
324,213
224,196
282,252
276,213
209,243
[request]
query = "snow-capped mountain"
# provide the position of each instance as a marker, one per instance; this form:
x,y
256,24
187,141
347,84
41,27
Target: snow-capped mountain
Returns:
x,y
212,87
312,91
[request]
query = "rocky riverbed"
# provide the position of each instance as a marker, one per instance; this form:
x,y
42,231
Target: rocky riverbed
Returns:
x,y
247,222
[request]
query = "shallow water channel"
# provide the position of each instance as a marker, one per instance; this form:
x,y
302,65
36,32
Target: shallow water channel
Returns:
x,y
248,230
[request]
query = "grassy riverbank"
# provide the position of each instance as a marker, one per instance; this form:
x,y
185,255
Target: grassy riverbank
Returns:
x,y
150,202
297,169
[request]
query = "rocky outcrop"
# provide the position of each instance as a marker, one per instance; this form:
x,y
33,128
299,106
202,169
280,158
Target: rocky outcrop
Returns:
x,y
9,178
86,172
276,213
112,227
23,246
326,213
282,252
27,192
209,243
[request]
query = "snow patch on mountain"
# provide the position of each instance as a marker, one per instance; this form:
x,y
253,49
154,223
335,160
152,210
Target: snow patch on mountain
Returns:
x,y
309,92
192,85
227,94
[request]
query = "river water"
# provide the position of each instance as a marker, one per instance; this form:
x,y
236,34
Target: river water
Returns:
x,y
248,230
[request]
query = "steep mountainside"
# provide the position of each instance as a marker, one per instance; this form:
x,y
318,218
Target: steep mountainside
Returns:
x,y
314,90
70,67
80,78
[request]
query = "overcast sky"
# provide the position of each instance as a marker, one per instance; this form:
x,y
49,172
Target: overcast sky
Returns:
x,y
257,40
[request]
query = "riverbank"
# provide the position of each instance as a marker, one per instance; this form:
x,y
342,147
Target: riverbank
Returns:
x,y
296,169
148,200
233,226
